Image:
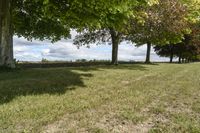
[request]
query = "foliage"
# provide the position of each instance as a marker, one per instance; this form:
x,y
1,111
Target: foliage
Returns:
x,y
86,38
30,21
92,14
113,23
163,23
108,18
193,8
189,48
44,60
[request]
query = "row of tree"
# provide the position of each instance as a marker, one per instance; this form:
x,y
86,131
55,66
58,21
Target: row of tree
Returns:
x,y
158,24
186,51
153,22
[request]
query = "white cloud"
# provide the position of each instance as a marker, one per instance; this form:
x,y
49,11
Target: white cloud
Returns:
x,y
66,51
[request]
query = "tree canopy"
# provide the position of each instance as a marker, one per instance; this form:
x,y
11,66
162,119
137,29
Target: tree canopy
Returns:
x,y
164,23
188,49
31,21
157,22
112,25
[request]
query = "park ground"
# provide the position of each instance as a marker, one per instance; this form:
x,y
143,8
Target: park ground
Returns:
x,y
129,98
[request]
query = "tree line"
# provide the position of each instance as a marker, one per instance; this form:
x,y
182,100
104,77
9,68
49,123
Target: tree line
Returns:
x,y
170,26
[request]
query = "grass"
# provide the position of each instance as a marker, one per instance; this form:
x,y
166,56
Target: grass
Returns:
x,y
124,98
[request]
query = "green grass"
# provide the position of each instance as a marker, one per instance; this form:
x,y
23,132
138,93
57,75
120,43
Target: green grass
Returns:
x,y
124,98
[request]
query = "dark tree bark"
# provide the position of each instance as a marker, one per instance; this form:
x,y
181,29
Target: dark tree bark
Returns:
x,y
148,53
180,58
1,14
171,58
115,45
171,53
6,35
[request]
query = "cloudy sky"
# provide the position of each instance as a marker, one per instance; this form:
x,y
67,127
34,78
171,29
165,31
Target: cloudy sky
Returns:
x,y
64,50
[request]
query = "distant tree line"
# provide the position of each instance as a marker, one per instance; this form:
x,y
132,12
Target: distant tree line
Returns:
x,y
186,51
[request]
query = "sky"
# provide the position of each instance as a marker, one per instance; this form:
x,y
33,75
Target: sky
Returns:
x,y
64,50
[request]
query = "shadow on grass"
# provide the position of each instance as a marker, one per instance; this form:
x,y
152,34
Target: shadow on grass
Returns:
x,y
140,67
38,81
53,81
79,64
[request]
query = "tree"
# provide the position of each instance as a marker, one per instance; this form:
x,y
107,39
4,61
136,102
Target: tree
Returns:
x,y
111,26
6,48
26,18
101,36
166,51
163,23
50,19
188,49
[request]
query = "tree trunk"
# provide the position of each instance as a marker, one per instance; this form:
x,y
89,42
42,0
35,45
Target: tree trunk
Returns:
x,y
171,58
171,53
115,45
148,53
179,60
6,35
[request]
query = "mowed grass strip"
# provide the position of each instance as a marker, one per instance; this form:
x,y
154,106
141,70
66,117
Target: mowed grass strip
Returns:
x,y
124,98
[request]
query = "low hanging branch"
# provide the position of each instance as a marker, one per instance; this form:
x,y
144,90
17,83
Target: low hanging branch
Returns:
x,y
87,38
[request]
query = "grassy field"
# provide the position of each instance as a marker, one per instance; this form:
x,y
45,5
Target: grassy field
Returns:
x,y
127,98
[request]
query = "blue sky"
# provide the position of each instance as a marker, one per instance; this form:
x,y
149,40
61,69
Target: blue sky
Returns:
x,y
64,50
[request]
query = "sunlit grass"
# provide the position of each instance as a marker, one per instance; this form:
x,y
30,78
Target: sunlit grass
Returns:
x,y
124,98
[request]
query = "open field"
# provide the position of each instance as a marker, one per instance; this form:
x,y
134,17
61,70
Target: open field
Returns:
x,y
125,98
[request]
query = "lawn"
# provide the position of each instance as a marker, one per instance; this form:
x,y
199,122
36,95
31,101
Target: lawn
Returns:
x,y
125,98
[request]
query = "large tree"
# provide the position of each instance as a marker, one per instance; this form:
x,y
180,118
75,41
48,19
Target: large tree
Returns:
x,y
6,54
164,23
26,18
110,24
188,49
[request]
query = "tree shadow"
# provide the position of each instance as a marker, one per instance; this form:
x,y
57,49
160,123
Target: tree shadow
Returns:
x,y
128,66
53,81
25,82
105,64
